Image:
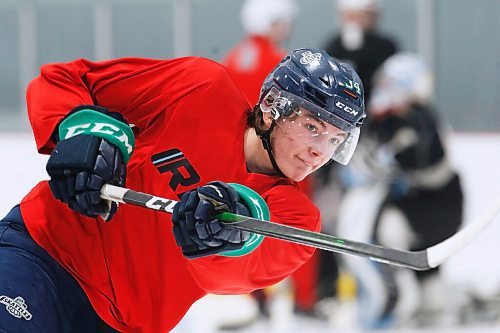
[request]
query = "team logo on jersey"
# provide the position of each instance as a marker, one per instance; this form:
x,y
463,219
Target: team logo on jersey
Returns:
x,y
174,161
309,58
16,307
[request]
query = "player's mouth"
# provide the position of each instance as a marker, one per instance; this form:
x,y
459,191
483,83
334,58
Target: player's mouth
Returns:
x,y
307,163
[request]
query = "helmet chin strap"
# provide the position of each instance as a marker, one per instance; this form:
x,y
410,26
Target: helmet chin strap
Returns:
x,y
265,137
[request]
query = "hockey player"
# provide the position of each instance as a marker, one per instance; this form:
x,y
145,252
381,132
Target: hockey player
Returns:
x,y
405,145
176,128
359,41
267,24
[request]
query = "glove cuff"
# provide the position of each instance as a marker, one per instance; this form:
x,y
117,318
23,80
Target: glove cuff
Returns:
x,y
258,209
92,122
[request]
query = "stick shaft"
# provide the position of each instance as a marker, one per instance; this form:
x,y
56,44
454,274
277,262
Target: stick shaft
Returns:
x,y
418,260
125,195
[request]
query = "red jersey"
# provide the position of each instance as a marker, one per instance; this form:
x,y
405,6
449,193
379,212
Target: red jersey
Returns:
x,y
189,119
250,62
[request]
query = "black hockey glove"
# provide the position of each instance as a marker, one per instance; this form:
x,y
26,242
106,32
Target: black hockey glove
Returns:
x,y
196,229
90,154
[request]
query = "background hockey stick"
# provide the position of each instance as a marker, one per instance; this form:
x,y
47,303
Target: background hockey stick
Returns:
x,y
418,260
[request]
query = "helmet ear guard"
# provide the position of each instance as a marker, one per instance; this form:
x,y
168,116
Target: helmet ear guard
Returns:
x,y
275,104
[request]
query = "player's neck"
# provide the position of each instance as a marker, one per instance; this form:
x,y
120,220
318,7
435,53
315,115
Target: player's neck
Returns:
x,y
256,157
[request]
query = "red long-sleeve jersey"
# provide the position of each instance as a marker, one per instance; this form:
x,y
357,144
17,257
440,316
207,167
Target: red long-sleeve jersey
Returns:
x,y
189,119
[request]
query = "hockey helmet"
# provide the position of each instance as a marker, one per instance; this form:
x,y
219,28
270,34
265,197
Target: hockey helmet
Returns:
x,y
258,16
403,78
308,85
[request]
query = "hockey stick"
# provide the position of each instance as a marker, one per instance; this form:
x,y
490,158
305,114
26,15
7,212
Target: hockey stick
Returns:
x,y
417,260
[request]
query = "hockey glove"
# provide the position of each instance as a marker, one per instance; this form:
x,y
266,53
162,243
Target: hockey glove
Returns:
x,y
196,229
94,148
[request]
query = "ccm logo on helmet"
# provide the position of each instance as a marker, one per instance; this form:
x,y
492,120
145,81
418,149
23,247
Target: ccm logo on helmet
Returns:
x,y
346,108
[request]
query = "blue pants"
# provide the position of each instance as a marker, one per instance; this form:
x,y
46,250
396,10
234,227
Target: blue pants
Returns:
x,y
36,293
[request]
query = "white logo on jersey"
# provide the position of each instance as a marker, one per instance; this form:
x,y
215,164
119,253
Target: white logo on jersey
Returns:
x,y
309,58
16,307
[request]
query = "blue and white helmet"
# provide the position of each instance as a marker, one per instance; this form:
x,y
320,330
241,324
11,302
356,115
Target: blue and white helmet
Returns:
x,y
329,90
403,79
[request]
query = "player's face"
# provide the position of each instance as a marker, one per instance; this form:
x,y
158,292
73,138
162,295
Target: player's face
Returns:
x,y
304,143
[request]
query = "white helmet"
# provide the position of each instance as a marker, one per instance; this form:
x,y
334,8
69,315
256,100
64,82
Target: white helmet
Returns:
x,y
402,79
258,16
358,5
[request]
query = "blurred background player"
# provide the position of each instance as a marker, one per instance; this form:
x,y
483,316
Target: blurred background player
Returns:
x,y
358,41
267,25
403,165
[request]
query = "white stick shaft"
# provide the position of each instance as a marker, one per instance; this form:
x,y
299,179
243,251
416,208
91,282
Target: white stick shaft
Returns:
x,y
113,193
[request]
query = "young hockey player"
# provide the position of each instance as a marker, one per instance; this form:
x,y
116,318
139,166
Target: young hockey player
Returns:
x,y
179,129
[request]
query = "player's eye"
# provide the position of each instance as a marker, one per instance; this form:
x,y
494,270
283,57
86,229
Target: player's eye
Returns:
x,y
337,140
312,128
334,141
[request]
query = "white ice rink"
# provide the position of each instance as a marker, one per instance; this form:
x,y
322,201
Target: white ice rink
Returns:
x,y
474,269
207,314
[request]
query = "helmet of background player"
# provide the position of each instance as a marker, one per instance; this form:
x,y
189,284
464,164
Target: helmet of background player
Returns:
x,y
268,17
358,5
309,85
403,79
356,17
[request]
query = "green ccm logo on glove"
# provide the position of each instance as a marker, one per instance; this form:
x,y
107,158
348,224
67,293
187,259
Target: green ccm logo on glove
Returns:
x,y
101,128
95,123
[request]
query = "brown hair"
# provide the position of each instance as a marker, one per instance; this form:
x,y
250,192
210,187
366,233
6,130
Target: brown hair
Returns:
x,y
255,119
